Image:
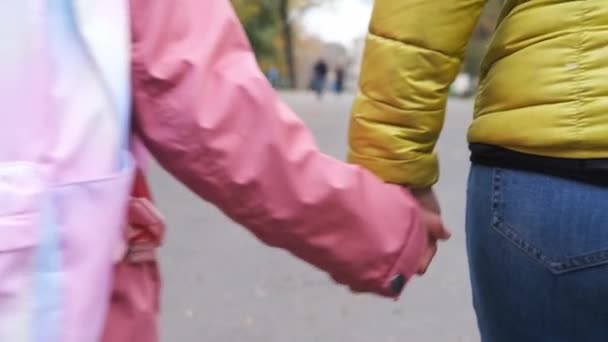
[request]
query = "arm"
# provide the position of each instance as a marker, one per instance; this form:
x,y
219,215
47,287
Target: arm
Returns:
x,y
211,119
413,53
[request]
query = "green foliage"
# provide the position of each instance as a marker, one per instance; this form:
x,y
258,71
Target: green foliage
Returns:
x,y
261,22
268,24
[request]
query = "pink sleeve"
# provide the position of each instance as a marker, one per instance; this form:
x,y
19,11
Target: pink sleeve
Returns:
x,y
207,113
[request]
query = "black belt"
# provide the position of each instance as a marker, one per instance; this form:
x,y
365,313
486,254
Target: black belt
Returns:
x,y
593,171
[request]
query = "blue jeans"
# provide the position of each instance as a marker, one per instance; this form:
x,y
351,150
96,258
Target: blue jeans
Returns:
x,y
318,85
538,256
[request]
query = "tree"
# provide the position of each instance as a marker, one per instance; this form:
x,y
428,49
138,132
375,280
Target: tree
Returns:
x,y
289,11
288,40
270,28
260,20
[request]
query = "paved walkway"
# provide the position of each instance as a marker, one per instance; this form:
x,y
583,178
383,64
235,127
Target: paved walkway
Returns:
x,y
222,285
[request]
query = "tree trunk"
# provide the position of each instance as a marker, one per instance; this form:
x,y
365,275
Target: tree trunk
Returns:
x,y
288,38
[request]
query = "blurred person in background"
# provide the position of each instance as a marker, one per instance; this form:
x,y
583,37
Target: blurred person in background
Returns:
x,y
273,76
319,77
178,79
538,187
339,80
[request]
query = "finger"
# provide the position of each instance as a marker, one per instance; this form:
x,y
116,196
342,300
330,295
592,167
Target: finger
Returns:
x,y
427,199
426,259
428,204
435,227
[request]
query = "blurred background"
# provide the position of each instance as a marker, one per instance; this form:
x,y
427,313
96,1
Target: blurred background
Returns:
x,y
222,285
289,36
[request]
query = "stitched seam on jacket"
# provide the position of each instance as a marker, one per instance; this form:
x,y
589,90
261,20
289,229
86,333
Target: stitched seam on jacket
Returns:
x,y
407,43
365,93
408,140
578,78
568,102
419,156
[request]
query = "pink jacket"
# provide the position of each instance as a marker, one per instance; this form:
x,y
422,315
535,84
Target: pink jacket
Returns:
x,y
208,115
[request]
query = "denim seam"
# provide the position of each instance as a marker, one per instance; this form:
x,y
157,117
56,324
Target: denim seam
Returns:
x,y
568,264
496,198
508,233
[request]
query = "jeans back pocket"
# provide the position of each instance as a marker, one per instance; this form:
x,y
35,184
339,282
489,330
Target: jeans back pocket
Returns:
x,y
558,222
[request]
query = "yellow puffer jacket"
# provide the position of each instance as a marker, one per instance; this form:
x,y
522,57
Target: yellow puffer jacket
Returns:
x,y
543,87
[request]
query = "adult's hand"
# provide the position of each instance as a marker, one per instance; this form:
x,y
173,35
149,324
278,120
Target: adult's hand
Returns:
x,y
427,200
433,223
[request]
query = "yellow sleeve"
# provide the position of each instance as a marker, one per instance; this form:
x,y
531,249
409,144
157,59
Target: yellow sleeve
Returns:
x,y
413,53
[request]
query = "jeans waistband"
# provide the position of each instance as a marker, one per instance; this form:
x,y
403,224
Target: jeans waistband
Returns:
x,y
593,171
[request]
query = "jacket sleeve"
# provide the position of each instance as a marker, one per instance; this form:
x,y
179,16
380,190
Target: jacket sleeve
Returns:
x,y
413,53
208,115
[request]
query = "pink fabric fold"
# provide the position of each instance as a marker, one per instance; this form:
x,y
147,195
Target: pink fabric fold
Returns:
x,y
209,116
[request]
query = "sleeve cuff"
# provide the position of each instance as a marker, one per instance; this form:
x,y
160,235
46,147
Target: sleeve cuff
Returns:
x,y
406,265
422,172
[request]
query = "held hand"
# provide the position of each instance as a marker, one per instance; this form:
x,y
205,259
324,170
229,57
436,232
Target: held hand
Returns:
x,y
432,222
435,231
427,200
